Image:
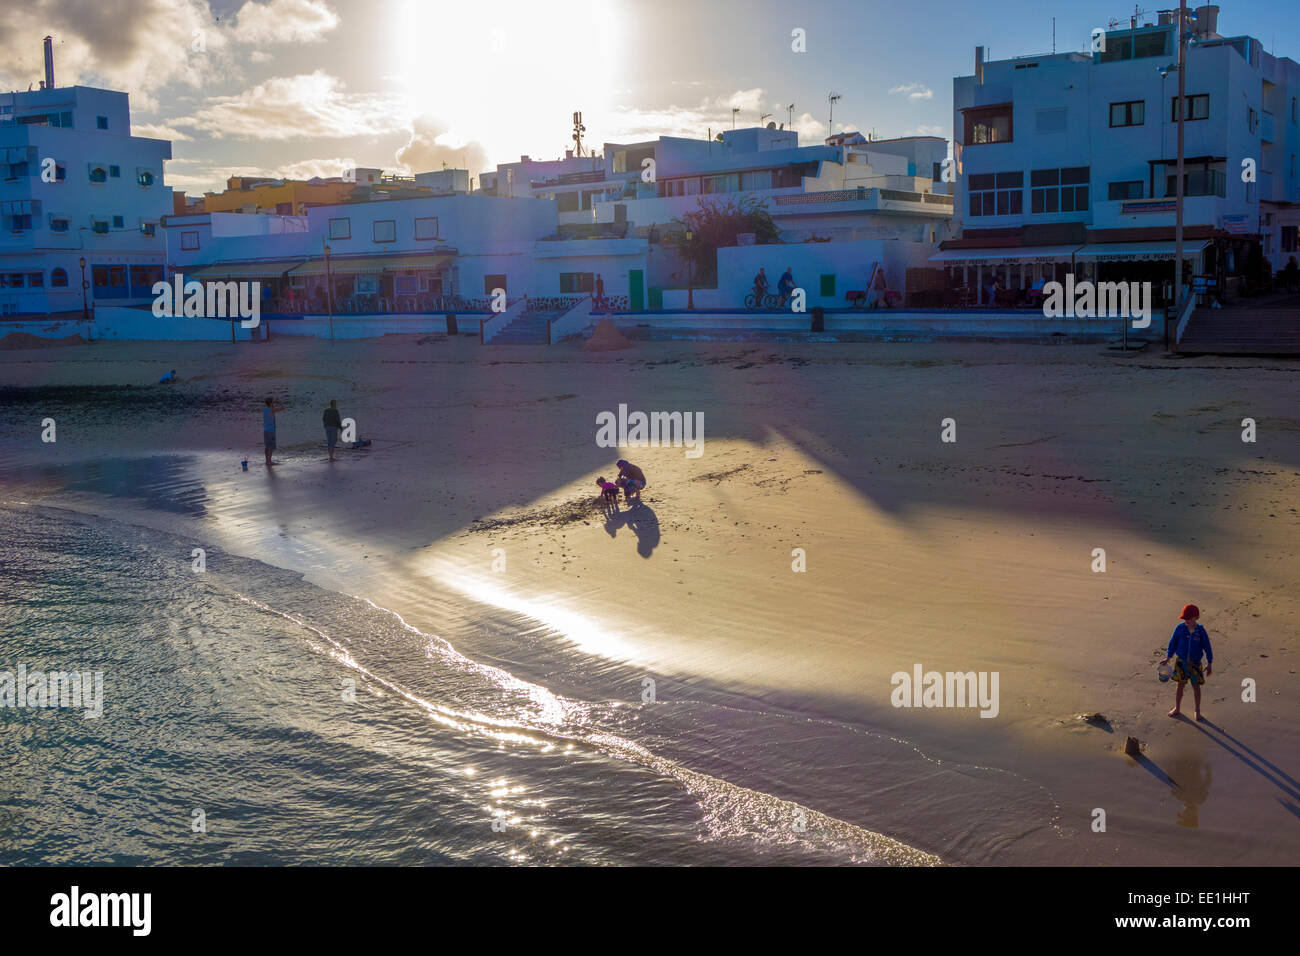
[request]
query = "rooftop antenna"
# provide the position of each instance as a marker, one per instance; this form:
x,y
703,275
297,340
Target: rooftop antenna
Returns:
x,y
789,116
578,130
763,117
49,64
734,111
1053,36
834,98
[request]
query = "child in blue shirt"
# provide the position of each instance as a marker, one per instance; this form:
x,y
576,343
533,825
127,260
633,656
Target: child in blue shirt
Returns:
x,y
1188,643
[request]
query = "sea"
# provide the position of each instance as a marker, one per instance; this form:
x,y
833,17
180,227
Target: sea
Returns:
x,y
250,717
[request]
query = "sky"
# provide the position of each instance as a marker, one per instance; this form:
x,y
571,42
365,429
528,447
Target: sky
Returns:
x,y
311,87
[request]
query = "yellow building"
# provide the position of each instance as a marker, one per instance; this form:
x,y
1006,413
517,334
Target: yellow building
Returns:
x,y
282,197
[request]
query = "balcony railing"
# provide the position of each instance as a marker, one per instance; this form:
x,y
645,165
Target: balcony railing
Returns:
x,y
862,193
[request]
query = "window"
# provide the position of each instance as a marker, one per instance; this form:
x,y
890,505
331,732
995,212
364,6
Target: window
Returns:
x,y
340,228
145,276
385,230
1117,48
1131,113
100,227
1058,190
58,225
115,172
724,183
148,228
1149,44
495,282
35,280
1198,182
426,228
101,122
98,174
1131,189
144,177
406,285
827,284
989,124
118,222
1195,107
997,194
680,187
99,277
1289,238
59,279
189,241
571,282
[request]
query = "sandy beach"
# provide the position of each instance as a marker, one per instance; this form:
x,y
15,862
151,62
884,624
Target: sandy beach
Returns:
x,y
971,555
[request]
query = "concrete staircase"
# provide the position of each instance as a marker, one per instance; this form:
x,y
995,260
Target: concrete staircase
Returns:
x,y
1243,331
530,328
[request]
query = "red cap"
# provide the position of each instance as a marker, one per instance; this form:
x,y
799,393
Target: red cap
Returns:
x,y
1189,611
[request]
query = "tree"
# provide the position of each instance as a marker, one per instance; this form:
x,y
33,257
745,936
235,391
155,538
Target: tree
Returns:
x,y
714,225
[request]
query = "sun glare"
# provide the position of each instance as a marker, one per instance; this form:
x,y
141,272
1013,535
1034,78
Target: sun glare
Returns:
x,y
512,75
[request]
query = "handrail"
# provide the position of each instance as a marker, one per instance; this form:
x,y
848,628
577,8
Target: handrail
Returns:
x,y
493,326
577,318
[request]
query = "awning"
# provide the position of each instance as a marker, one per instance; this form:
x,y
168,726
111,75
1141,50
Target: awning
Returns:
x,y
269,269
1009,254
1134,251
369,264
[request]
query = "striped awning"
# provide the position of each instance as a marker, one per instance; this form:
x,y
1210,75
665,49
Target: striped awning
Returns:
x,y
360,265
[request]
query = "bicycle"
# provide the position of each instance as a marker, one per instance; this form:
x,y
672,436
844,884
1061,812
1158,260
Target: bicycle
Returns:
x,y
768,301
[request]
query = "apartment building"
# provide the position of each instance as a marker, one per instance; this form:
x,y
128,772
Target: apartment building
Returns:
x,y
1067,162
81,199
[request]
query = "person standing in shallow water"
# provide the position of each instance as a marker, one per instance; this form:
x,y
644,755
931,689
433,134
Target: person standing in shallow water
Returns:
x,y
268,426
332,423
1188,643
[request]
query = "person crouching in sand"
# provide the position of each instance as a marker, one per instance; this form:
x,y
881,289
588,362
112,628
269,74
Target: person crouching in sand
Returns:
x,y
1188,643
631,478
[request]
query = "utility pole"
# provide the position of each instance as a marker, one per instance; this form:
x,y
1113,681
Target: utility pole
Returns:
x,y
1178,211
329,290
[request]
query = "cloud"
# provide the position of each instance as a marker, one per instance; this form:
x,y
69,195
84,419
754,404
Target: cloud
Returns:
x,y
143,46
309,105
158,131
430,146
196,176
928,131
284,21
914,91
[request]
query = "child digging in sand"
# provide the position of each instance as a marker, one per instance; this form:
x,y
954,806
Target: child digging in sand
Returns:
x,y
1188,643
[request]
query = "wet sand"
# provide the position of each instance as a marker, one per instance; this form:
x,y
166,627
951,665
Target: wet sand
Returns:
x,y
971,555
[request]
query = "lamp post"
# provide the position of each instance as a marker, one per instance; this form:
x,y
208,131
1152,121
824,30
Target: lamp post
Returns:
x,y
85,310
1178,203
690,276
329,290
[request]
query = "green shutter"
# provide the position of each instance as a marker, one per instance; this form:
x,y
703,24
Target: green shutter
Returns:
x,y
828,285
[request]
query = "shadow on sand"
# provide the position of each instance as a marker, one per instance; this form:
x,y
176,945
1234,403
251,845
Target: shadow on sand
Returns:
x,y
640,519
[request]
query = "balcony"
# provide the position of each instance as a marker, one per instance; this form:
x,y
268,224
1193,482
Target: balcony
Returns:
x,y
1266,127
868,199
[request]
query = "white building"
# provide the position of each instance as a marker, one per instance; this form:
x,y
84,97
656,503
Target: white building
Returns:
x,y
77,190
409,255
1066,162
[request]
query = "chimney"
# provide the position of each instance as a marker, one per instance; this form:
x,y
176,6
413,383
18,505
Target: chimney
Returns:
x,y
1207,20
1165,18
979,65
49,63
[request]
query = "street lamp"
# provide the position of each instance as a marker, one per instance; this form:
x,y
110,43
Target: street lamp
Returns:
x,y
690,275
329,290
85,310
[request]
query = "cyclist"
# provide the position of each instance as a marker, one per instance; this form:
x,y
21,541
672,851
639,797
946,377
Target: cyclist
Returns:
x,y
760,288
786,285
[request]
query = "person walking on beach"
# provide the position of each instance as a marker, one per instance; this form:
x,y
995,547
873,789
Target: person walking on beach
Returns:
x,y
268,426
332,423
1188,643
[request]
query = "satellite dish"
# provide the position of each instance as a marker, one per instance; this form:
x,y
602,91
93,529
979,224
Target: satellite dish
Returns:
x,y
718,137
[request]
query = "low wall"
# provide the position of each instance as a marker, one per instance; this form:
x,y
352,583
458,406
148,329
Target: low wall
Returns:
x,y
121,324
883,324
